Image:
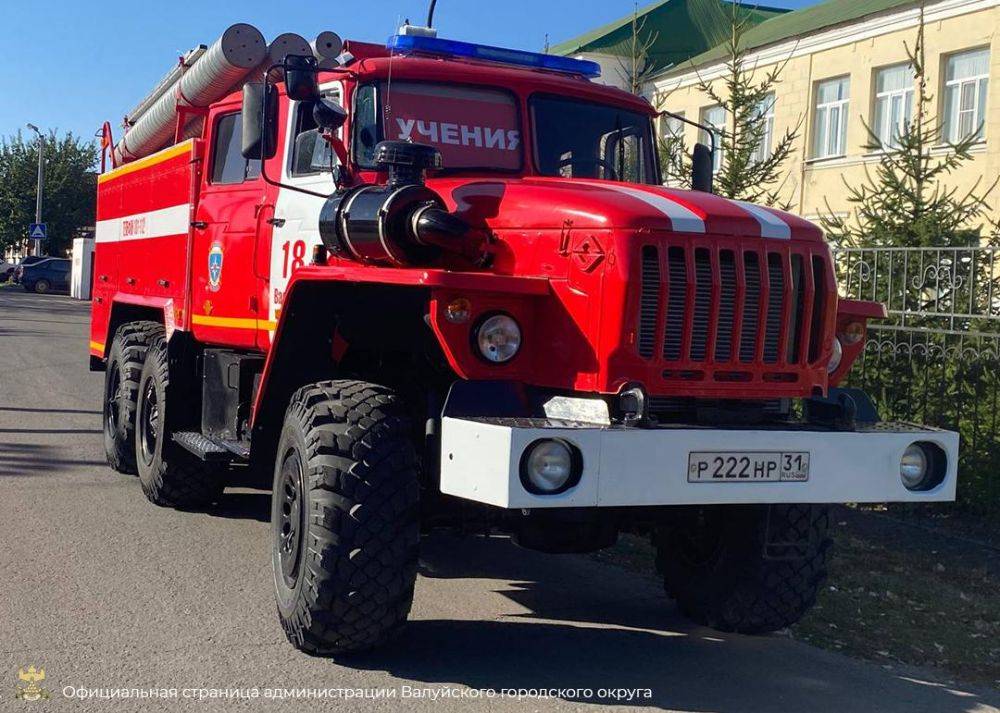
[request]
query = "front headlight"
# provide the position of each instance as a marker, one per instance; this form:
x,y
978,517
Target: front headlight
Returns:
x,y
913,466
836,357
498,338
923,466
550,466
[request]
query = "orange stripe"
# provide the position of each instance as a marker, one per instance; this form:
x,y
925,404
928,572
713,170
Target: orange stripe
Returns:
x,y
206,320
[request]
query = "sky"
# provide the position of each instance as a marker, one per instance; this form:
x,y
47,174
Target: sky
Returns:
x,y
73,64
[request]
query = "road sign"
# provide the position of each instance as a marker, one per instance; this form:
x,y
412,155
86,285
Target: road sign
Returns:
x,y
37,231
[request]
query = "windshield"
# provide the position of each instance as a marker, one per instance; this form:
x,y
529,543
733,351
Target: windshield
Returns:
x,y
581,139
472,127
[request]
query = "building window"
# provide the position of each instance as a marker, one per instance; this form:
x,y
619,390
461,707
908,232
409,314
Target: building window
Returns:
x,y
965,82
893,103
765,111
671,127
830,126
714,116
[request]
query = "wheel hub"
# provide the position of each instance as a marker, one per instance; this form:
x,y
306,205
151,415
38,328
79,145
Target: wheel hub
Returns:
x,y
149,422
291,518
114,397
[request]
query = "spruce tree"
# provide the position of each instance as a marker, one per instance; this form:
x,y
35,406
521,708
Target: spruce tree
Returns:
x,y
746,171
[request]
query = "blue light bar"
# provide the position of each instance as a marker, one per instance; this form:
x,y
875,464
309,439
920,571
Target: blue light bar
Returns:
x,y
454,48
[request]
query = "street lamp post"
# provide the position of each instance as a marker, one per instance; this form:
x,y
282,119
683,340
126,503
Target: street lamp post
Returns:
x,y
41,183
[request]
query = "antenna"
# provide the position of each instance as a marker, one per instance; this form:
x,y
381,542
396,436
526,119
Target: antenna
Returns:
x,y
430,14
387,103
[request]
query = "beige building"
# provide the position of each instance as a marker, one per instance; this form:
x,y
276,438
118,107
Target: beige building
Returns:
x,y
845,66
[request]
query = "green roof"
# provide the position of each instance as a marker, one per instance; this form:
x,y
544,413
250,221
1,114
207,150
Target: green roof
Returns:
x,y
797,24
680,29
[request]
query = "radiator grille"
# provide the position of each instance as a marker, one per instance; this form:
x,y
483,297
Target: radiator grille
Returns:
x,y
731,307
819,308
676,304
702,321
775,307
649,300
727,306
751,307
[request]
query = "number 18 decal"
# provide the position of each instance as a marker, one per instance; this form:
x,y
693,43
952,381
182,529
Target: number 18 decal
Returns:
x,y
294,253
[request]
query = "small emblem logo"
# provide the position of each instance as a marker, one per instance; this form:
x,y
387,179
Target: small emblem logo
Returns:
x,y
215,267
32,691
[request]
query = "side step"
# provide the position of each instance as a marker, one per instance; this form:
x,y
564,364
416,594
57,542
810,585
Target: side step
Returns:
x,y
210,449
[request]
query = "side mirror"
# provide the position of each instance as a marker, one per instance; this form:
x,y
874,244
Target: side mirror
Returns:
x,y
328,115
301,83
701,168
260,121
312,154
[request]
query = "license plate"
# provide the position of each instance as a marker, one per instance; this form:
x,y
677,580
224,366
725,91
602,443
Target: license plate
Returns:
x,y
747,466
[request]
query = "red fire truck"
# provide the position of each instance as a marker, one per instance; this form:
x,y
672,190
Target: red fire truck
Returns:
x,y
435,284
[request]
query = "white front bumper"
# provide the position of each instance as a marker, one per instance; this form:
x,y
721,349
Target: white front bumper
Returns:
x,y
480,461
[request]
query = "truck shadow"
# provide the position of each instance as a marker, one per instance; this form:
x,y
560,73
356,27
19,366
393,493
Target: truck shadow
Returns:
x,y
32,459
579,624
572,623
243,505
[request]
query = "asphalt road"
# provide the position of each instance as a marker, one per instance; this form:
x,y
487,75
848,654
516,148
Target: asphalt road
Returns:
x,y
104,591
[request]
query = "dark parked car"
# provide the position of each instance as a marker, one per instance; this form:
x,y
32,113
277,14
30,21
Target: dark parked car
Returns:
x,y
51,275
30,260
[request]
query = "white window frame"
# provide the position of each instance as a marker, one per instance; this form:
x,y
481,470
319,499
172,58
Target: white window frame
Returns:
x,y
952,122
667,131
763,150
717,133
887,131
822,122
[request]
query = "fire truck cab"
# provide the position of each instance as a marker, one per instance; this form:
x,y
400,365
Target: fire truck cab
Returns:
x,y
438,284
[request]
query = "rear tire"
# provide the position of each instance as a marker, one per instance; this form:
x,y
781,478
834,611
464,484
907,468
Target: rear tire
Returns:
x,y
42,286
345,517
121,391
170,476
745,569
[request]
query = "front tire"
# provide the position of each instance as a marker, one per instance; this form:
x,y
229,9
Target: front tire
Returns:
x,y
170,476
121,391
344,517
749,569
42,286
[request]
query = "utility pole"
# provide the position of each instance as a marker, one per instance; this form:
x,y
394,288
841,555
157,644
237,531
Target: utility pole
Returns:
x,y
41,183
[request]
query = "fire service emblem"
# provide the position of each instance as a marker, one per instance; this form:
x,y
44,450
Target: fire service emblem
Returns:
x,y
215,267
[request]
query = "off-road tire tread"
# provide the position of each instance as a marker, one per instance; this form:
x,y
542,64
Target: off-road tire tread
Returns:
x,y
362,534
177,479
750,594
132,340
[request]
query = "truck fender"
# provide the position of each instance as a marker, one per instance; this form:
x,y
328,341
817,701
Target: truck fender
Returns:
x,y
133,308
307,345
